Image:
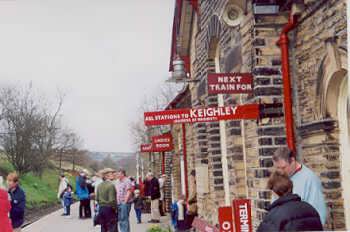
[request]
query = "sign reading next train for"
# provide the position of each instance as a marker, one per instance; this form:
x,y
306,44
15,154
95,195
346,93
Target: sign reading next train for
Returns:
x,y
210,114
230,83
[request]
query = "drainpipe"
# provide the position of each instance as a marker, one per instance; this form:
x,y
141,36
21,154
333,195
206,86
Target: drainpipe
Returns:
x,y
184,149
288,108
163,163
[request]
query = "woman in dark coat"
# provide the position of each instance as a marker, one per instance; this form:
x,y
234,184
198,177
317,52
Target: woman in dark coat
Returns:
x,y
288,212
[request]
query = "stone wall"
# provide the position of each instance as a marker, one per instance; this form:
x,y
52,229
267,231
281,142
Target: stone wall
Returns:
x,y
322,25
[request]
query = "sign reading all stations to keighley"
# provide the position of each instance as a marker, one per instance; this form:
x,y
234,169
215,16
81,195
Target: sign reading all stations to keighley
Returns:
x,y
248,111
230,83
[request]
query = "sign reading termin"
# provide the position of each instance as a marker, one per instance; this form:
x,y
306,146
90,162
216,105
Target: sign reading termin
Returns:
x,y
230,83
248,111
243,215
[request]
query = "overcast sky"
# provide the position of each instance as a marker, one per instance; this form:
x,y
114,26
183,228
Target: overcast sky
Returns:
x,y
107,55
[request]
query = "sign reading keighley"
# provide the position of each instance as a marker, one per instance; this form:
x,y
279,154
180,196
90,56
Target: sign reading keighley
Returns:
x,y
230,83
248,111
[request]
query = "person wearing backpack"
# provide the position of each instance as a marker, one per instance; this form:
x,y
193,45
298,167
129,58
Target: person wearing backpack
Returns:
x,y
83,195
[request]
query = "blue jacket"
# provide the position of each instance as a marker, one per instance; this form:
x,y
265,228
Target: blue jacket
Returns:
x,y
67,198
82,190
18,204
174,214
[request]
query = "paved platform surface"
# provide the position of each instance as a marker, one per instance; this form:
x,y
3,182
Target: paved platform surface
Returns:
x,y
56,223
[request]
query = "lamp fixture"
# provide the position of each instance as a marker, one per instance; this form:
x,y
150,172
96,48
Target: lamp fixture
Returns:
x,y
179,74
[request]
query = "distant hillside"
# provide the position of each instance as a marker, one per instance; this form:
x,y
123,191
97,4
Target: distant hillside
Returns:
x,y
125,160
99,156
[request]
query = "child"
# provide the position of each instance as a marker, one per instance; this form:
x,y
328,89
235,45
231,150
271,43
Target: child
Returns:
x,y
138,205
174,214
182,217
68,200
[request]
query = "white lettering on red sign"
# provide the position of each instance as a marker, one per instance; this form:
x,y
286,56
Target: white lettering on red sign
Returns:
x,y
226,226
230,87
243,217
213,112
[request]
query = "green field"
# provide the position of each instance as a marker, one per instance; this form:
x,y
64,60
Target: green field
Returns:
x,y
40,191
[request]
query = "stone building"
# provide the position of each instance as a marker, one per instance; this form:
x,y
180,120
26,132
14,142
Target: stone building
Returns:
x,y
226,36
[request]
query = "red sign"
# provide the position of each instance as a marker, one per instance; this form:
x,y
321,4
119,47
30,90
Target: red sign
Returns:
x,y
228,83
162,147
226,219
156,147
243,215
146,147
203,226
164,138
249,111
160,143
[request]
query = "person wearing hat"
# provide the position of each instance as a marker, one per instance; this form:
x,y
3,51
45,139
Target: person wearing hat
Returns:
x,y
106,198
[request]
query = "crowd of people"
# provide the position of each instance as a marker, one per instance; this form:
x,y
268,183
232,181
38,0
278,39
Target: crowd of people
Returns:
x,y
113,194
298,203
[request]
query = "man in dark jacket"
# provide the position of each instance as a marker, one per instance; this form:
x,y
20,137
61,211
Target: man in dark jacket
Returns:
x,y
155,196
18,201
288,212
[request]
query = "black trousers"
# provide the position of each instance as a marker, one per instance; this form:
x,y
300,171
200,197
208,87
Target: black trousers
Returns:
x,y
107,217
161,211
85,208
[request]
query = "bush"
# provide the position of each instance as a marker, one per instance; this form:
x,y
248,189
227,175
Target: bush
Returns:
x,y
158,229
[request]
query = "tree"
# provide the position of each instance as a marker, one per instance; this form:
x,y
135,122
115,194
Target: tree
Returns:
x,y
108,162
29,128
66,141
165,94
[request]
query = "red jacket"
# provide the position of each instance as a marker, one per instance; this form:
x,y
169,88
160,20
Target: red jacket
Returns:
x,y
5,207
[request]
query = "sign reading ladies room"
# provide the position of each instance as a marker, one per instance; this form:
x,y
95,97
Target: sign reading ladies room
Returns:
x,y
230,83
